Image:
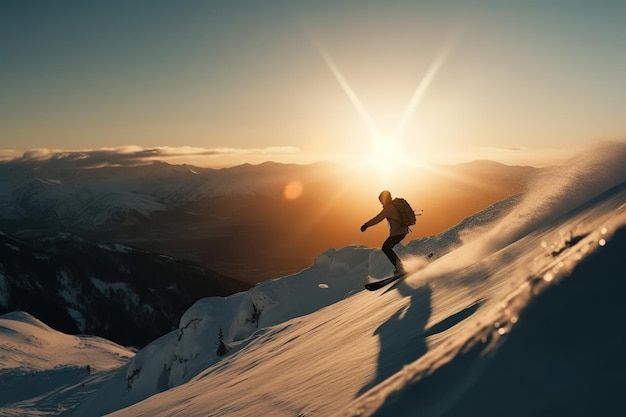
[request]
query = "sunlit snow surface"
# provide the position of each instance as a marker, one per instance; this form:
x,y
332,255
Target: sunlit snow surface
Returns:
x,y
516,312
45,372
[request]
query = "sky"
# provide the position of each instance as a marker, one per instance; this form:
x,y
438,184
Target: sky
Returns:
x,y
219,83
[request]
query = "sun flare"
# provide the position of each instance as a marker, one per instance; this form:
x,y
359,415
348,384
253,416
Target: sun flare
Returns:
x,y
385,154
387,157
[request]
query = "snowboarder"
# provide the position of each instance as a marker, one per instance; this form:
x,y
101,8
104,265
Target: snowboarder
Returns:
x,y
397,230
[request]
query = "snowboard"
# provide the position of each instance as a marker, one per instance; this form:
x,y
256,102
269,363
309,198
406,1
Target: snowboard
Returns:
x,y
376,285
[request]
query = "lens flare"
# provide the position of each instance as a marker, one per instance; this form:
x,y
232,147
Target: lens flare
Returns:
x,y
416,98
386,152
354,99
293,190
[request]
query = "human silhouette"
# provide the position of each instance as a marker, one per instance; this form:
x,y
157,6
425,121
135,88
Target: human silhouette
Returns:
x,y
397,230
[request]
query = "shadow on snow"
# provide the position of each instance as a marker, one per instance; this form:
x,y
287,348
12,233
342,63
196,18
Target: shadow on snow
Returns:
x,y
403,336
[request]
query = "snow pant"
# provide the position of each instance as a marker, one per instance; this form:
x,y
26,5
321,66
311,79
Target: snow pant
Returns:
x,y
387,250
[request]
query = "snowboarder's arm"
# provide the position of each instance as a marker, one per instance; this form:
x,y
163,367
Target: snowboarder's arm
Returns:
x,y
378,218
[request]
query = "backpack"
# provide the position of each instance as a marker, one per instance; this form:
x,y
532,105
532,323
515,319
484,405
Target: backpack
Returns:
x,y
407,215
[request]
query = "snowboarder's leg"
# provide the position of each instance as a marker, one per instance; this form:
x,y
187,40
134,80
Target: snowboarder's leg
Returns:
x,y
387,249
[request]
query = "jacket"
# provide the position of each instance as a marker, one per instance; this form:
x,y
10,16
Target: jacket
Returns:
x,y
389,212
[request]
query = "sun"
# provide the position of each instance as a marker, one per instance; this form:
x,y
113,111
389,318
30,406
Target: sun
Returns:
x,y
386,163
385,154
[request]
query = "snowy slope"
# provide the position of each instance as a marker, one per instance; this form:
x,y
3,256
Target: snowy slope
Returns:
x,y
429,346
43,371
517,313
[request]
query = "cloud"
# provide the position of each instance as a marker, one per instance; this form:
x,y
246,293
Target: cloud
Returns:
x,y
272,150
8,154
135,155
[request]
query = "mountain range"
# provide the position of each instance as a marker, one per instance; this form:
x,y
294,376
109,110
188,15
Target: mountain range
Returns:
x,y
110,290
237,220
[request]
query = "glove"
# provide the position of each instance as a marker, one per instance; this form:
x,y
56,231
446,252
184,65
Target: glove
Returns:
x,y
364,227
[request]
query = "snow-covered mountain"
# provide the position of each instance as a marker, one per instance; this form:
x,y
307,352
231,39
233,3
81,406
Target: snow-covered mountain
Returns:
x,y
58,194
46,372
124,294
517,312
54,193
